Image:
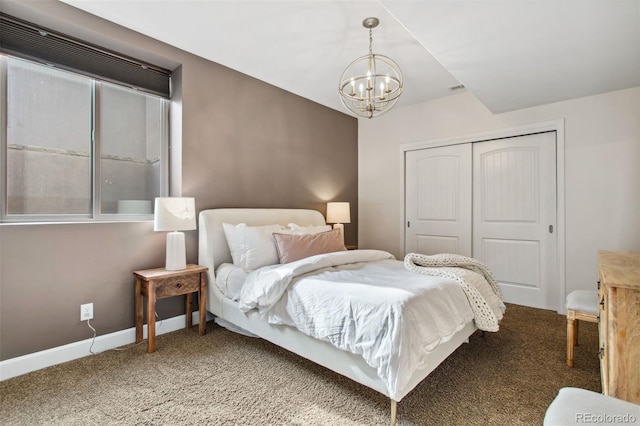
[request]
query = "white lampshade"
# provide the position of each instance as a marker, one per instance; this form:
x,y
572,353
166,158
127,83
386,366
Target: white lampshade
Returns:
x,y
175,214
338,212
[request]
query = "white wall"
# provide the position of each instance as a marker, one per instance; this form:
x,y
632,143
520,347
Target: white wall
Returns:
x,y
602,169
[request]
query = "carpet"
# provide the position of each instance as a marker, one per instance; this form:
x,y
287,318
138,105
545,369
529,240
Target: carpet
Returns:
x,y
222,378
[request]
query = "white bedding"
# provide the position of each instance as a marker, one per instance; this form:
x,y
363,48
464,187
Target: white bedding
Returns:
x,y
230,279
366,302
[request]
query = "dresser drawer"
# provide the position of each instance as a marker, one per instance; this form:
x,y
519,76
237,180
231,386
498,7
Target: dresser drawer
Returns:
x,y
175,286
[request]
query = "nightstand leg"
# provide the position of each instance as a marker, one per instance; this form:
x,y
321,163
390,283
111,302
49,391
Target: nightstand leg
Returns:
x,y
202,305
138,307
151,318
189,311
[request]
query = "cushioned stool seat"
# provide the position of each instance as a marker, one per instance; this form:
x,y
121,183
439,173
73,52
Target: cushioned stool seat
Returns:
x,y
581,305
573,406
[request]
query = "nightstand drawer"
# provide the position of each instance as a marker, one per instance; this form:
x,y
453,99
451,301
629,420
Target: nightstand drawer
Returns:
x,y
175,286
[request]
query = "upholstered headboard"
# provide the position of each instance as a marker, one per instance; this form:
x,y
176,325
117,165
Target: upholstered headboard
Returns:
x,y
212,244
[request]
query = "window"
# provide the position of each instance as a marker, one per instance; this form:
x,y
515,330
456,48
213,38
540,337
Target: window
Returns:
x,y
131,135
53,167
74,145
48,168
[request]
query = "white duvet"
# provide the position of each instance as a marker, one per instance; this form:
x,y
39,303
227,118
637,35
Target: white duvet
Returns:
x,y
366,302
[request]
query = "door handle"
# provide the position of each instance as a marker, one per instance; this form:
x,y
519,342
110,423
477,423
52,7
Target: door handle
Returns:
x,y
551,229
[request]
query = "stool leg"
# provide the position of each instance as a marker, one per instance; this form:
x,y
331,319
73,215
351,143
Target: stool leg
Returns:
x,y
576,328
570,340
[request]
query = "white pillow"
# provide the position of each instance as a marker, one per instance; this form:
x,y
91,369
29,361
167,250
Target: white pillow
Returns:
x,y
230,279
296,229
252,247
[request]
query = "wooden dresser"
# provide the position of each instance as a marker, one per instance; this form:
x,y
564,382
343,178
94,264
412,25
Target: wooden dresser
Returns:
x,y
619,323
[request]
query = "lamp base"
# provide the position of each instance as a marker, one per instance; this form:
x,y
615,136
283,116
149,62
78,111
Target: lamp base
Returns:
x,y
176,255
339,226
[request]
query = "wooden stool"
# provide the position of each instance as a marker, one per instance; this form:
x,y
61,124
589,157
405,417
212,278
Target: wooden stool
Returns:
x,y
581,305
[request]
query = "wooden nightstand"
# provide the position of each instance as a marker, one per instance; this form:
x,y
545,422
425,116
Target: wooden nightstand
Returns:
x,y
159,283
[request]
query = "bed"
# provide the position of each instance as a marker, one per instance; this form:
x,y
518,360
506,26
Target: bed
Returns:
x,y
214,252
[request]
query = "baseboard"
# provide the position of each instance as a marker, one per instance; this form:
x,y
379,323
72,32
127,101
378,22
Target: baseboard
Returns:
x,y
38,360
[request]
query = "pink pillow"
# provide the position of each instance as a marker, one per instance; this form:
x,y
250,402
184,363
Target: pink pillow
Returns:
x,y
296,247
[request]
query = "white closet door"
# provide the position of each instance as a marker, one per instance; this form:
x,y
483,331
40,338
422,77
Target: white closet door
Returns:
x,y
438,200
514,216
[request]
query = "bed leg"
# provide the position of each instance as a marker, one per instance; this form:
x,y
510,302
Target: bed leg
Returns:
x,y
394,412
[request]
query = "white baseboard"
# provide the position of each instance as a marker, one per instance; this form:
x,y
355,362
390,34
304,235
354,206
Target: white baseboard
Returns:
x,y
31,362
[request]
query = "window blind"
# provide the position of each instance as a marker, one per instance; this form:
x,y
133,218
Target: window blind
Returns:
x,y
29,41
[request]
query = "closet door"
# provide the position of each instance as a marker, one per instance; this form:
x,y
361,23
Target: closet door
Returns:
x,y
438,200
514,216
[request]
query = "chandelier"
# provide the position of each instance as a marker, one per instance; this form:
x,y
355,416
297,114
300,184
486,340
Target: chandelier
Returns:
x,y
372,84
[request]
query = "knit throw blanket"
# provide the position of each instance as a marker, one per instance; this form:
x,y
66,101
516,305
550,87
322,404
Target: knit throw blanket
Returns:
x,y
485,318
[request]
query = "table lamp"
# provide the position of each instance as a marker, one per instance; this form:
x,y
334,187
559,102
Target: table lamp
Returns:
x,y
338,213
175,214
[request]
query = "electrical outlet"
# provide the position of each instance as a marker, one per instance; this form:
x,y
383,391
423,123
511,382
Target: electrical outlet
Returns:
x,y
86,311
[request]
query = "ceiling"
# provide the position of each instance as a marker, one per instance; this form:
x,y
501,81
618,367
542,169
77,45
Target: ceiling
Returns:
x,y
510,54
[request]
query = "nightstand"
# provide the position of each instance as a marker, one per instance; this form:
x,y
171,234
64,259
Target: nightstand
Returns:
x,y
159,283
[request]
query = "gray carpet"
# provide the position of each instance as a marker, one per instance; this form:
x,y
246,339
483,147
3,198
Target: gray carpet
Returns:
x,y
503,378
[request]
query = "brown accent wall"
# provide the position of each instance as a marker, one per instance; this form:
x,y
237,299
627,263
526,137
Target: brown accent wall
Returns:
x,y
244,143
